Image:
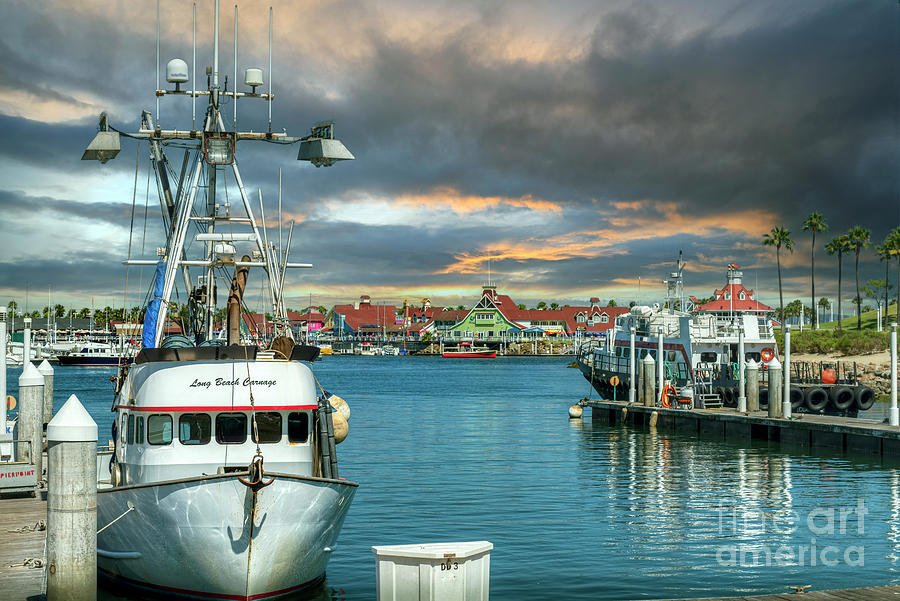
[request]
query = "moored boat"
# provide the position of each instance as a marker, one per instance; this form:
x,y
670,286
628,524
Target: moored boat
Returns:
x,y
223,481
465,350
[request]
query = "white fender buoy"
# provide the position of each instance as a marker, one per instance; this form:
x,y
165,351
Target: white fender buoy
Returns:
x,y
340,405
575,411
341,427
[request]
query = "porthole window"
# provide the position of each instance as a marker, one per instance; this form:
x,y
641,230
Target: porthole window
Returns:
x,y
159,429
231,428
268,423
131,428
139,434
670,356
194,428
298,427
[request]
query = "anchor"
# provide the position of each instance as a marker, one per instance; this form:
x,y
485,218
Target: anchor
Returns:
x,y
256,477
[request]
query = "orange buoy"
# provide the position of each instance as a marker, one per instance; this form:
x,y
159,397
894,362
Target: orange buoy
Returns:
x,y
829,376
10,402
767,354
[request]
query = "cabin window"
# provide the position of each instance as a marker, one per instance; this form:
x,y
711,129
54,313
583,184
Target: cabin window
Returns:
x,y
231,428
708,357
755,356
131,428
643,353
194,428
298,427
159,429
670,356
268,424
139,434
618,351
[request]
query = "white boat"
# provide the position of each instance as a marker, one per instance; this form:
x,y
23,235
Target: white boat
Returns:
x,y
700,349
223,481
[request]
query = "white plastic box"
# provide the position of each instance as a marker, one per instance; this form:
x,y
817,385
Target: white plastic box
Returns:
x,y
433,571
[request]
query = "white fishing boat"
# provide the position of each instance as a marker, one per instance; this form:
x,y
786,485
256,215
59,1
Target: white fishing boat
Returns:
x,y
223,481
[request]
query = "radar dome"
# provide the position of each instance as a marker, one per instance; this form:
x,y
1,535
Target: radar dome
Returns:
x,y
176,71
253,77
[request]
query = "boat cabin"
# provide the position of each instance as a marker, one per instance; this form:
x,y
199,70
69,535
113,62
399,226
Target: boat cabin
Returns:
x,y
180,418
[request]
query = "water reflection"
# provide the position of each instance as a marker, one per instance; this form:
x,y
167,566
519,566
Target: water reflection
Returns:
x,y
684,511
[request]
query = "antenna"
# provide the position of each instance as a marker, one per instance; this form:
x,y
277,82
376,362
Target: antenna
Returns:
x,y
234,90
215,73
194,78
270,70
157,62
280,226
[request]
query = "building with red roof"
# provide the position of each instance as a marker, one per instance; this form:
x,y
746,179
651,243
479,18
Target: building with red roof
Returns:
x,y
734,297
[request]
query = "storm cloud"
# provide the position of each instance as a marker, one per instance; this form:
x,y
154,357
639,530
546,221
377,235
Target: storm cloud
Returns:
x,y
576,147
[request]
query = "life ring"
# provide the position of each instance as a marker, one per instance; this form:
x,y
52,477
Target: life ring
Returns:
x,y
767,354
667,397
10,402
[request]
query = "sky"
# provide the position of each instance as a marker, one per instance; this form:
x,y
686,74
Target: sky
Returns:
x,y
563,150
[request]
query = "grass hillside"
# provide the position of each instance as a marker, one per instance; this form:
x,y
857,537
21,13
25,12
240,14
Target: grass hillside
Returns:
x,y
869,320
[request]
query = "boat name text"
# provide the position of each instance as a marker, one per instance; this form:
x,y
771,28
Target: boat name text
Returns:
x,y
235,382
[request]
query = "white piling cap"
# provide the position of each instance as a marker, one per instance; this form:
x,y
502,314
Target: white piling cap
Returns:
x,y
72,423
751,364
774,363
31,376
648,359
45,368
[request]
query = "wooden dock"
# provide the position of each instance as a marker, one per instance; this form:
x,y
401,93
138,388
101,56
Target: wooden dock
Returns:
x,y
22,544
871,593
805,431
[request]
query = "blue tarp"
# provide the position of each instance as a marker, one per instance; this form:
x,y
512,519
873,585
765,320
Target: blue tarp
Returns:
x,y
150,317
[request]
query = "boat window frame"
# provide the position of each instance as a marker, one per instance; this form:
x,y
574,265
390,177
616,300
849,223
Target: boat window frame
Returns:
x,y
171,426
201,441
262,440
139,433
305,417
130,437
225,414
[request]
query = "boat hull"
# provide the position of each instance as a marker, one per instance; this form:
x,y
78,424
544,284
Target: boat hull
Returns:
x,y
89,361
469,354
214,538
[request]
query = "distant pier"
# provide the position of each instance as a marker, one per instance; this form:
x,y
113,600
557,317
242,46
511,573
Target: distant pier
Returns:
x,y
804,431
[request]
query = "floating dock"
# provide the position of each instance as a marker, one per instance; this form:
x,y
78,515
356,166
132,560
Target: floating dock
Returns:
x,y
804,431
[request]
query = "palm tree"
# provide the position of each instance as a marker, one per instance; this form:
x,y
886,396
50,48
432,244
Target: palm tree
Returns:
x,y
892,242
883,252
778,237
859,239
839,245
814,223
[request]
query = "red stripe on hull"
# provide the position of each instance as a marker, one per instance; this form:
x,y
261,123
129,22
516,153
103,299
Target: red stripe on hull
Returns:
x,y
221,408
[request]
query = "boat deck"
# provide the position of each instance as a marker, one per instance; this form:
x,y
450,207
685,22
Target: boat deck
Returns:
x,y
22,542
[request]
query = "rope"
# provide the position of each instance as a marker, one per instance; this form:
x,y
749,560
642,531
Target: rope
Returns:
x,y
252,404
38,526
127,511
30,562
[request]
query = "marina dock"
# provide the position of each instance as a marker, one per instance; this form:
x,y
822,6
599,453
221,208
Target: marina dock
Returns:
x,y
869,593
23,542
804,431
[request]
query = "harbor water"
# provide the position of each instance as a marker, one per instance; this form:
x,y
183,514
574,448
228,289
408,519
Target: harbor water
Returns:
x,y
467,449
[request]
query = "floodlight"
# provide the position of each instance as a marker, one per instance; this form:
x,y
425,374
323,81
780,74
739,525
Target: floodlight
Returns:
x,y
321,148
105,145
219,151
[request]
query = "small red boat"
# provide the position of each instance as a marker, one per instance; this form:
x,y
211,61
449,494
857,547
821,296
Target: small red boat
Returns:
x,y
465,350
